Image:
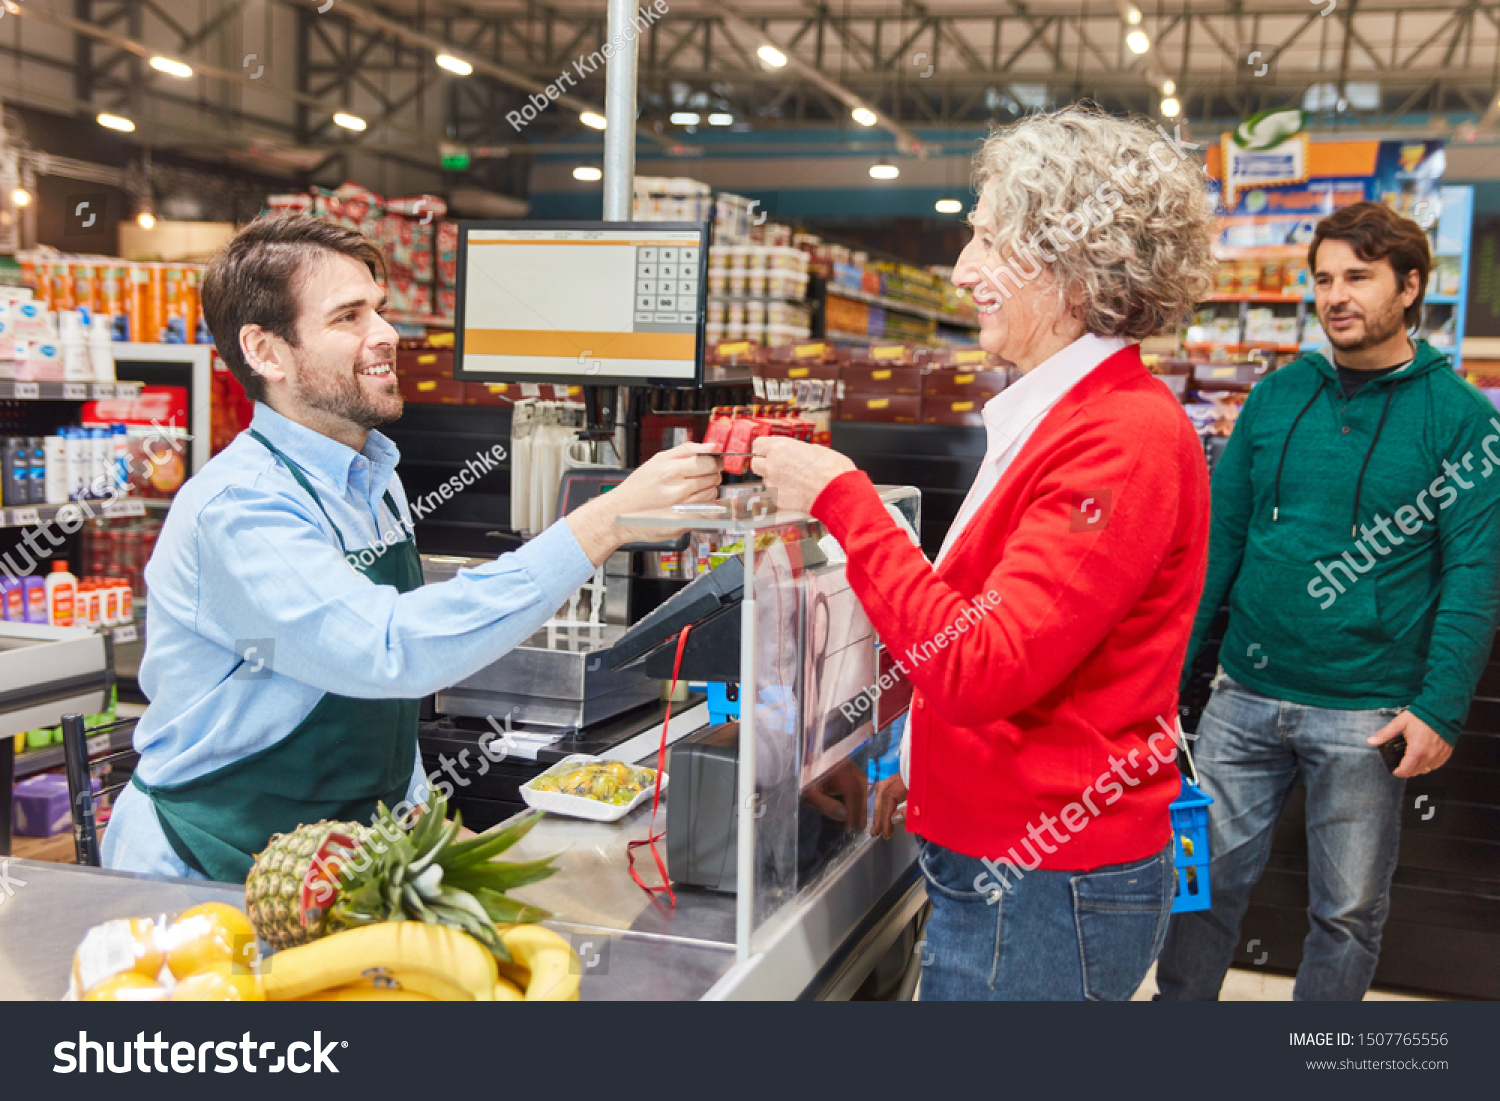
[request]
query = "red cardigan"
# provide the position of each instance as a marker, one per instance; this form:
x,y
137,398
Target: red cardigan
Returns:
x,y
1031,716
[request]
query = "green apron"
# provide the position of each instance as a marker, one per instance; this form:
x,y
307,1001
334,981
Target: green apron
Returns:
x,y
347,755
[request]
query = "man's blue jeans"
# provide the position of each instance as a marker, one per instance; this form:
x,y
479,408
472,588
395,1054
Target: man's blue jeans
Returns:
x,y
1250,752
1041,936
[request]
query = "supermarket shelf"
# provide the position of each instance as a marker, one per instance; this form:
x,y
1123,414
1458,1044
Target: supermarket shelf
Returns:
x,y
1267,298
49,757
867,338
67,391
725,376
728,298
1244,346
40,514
837,290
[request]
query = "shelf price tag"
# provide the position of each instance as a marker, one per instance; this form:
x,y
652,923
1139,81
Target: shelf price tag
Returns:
x,y
102,390
125,634
19,517
28,390
98,744
75,391
114,509
131,390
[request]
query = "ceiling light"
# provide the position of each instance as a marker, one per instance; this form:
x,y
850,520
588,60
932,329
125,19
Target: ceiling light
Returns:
x,y
349,122
1133,16
146,220
772,56
456,65
720,119
587,173
684,118
884,171
171,68
1170,107
1138,42
115,122
864,116
594,119
1169,87
20,196
949,206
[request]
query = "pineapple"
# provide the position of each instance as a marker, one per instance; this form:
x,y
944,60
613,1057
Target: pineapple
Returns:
x,y
328,876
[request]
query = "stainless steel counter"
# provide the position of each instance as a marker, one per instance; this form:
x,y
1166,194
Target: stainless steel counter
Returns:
x,y
633,947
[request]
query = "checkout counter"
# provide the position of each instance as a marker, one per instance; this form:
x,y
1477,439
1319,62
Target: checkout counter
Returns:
x,y
787,901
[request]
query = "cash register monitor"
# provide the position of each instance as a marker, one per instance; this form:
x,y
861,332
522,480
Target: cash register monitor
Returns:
x,y
583,303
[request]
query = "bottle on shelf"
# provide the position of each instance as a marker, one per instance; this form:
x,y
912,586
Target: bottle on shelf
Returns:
x,y
61,595
15,472
38,452
55,449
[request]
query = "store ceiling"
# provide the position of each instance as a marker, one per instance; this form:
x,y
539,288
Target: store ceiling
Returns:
x,y
270,73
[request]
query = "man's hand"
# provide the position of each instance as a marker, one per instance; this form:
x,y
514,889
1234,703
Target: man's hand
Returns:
x,y
686,475
798,471
890,793
1425,748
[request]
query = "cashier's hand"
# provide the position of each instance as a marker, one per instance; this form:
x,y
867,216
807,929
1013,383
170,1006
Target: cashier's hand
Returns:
x,y
798,471
685,475
1425,748
890,793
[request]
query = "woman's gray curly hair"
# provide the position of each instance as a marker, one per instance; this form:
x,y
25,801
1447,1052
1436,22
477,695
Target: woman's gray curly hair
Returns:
x,y
1111,206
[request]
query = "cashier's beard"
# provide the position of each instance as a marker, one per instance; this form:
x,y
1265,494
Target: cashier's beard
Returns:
x,y
361,395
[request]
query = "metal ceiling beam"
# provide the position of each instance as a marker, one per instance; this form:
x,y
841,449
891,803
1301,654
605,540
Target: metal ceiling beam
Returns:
x,y
908,141
357,13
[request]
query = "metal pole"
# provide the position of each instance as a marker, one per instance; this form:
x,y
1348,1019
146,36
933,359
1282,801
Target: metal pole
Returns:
x,y
619,112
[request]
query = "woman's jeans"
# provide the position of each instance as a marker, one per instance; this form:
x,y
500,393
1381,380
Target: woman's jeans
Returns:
x,y
1250,751
1041,936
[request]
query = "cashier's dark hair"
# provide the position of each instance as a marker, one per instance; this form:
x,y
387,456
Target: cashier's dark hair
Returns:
x,y
253,280
1376,232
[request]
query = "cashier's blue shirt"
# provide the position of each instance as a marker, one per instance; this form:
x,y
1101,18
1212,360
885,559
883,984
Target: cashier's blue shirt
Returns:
x,y
246,558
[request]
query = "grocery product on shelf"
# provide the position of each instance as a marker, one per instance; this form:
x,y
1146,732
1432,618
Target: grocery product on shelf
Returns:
x,y
114,299
61,594
419,243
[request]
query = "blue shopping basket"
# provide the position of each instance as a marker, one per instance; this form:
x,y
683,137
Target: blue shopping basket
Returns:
x,y
1189,814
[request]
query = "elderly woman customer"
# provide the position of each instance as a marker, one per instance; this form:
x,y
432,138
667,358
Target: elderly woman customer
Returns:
x,y
1040,752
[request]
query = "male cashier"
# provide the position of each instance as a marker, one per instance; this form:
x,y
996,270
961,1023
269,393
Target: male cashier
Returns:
x,y
289,635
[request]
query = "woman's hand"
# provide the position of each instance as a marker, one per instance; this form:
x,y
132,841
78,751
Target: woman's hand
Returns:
x,y
798,471
890,793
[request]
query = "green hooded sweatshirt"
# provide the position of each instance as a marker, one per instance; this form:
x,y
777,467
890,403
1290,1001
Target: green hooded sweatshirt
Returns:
x,y
1358,540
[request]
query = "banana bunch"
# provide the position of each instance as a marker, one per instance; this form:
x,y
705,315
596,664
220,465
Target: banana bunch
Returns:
x,y
545,965
388,957
413,961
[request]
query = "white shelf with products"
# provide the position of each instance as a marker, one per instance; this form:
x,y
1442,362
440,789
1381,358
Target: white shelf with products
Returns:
x,y
25,516
68,391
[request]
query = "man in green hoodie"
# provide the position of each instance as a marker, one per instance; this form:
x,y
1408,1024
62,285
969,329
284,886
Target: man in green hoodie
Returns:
x,y
1355,533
